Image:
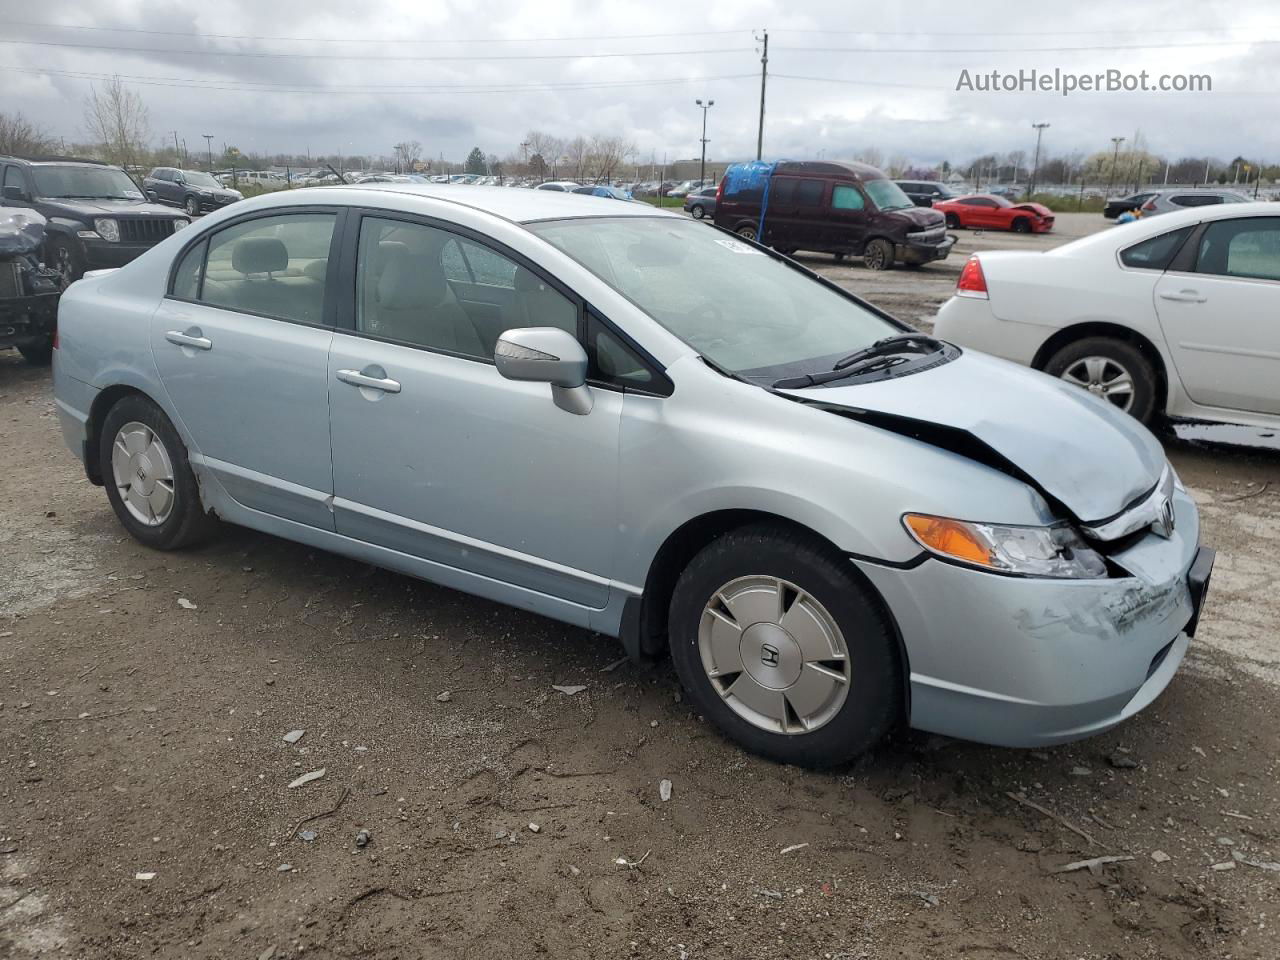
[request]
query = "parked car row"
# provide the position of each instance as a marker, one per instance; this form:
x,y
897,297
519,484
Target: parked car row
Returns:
x,y
908,563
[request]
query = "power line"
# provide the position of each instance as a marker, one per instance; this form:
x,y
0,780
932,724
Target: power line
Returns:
x,y
249,86
257,55
1141,31
1030,50
236,36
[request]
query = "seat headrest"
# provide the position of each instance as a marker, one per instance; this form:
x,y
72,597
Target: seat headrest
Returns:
x,y
259,255
408,281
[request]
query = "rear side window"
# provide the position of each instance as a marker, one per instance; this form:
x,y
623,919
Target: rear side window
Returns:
x,y
272,266
845,197
782,190
1247,248
1155,253
809,192
1195,199
186,279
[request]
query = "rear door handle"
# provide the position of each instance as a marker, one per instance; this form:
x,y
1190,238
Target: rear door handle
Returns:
x,y
358,379
1184,296
188,340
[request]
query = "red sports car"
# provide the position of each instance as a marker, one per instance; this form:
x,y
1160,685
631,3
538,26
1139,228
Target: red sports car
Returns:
x,y
987,211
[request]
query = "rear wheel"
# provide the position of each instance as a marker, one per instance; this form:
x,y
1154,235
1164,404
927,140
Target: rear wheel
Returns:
x,y
878,255
783,648
1114,370
697,212
953,222
1021,225
149,482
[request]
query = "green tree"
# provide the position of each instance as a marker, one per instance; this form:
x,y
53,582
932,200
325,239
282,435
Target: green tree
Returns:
x,y
475,161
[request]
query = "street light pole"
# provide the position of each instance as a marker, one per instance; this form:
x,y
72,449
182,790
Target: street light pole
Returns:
x,y
208,143
764,77
1115,158
1035,164
702,170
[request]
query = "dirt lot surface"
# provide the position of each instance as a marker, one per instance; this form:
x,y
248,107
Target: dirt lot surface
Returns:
x,y
145,806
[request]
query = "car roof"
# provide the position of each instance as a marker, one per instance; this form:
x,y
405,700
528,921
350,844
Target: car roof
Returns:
x,y
519,206
60,161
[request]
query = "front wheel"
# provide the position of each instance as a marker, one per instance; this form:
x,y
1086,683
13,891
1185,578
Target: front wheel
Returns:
x,y
192,206
697,212
1021,225
149,482
953,222
746,232
1114,370
784,649
878,255
37,354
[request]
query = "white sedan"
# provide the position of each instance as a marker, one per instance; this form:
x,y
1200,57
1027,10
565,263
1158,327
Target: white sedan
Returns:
x,y
1177,315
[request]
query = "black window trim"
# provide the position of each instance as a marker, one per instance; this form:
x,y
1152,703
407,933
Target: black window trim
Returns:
x,y
1193,245
1193,231
331,292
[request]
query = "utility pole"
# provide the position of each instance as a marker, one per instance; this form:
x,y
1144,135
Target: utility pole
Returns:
x,y
1115,158
208,143
702,171
177,154
1035,164
764,78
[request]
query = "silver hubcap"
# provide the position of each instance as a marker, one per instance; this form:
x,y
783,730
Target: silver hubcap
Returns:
x,y
774,654
1102,377
143,473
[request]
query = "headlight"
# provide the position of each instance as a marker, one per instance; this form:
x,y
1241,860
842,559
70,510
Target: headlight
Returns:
x,y
1056,551
180,224
107,228
237,194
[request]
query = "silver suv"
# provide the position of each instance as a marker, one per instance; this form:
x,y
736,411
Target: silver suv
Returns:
x,y
618,418
1166,201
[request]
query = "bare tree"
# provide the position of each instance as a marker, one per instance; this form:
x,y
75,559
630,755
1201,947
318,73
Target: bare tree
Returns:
x,y
607,154
20,137
871,156
577,151
408,153
117,120
538,143
897,165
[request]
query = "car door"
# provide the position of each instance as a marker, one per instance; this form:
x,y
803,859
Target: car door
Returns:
x,y
846,218
1221,317
435,454
241,342
780,215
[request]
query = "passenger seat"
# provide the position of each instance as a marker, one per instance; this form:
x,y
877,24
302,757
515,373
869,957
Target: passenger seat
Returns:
x,y
414,303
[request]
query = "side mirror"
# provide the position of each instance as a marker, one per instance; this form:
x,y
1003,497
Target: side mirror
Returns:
x,y
12,192
547,355
151,194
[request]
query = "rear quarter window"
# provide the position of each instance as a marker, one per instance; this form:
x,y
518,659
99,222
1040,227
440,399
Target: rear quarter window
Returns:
x,y
1155,253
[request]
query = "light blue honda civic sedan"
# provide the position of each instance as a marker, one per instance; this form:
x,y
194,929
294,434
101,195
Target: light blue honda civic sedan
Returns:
x,y
624,420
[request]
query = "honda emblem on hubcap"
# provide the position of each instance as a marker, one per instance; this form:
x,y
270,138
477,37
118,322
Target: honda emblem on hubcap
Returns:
x,y
769,655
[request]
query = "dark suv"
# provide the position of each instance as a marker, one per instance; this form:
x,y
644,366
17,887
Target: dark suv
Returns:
x,y
193,190
925,193
97,215
846,209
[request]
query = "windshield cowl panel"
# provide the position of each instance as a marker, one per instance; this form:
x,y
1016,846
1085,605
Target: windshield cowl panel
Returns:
x,y
748,313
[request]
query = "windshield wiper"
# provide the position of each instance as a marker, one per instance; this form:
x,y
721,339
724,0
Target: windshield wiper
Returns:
x,y
853,364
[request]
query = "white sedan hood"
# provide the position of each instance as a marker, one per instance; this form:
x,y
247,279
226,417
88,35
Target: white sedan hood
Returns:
x,y
1080,450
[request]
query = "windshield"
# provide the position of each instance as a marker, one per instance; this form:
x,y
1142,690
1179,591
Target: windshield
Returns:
x,y
886,195
741,309
96,183
199,179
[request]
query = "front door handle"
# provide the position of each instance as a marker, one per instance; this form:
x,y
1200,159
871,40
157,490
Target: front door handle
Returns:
x,y
1184,296
358,379
193,340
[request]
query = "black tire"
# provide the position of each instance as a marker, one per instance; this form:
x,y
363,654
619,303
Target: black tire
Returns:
x,y
746,231
1125,355
65,256
187,523
838,257
192,206
1021,225
878,254
697,211
37,354
953,222
874,701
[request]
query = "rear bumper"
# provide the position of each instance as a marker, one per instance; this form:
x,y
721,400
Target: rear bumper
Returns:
x,y
73,400
1023,662
925,252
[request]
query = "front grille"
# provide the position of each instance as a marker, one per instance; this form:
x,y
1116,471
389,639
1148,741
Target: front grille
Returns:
x,y
10,281
145,231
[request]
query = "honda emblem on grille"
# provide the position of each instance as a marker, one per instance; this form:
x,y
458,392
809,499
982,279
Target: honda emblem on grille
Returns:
x,y
1167,520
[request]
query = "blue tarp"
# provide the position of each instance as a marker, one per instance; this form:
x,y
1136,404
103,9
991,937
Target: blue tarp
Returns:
x,y
752,175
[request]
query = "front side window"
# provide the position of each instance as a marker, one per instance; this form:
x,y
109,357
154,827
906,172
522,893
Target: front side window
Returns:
x,y
740,308
427,287
1155,253
886,195
1247,248
273,266
845,197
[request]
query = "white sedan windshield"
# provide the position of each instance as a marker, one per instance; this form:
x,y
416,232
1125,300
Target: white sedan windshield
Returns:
x,y
737,306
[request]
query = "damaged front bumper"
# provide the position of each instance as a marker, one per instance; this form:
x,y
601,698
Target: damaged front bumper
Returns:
x,y
1020,661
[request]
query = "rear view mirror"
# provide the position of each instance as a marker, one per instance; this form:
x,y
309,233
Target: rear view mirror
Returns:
x,y
546,355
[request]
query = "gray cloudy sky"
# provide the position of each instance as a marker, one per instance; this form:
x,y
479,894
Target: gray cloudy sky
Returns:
x,y
370,73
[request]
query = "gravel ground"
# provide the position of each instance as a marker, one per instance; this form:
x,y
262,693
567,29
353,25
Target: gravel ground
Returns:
x,y
145,807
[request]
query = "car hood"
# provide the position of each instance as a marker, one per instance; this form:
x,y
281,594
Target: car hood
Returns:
x,y
104,208
1079,450
1039,208
920,217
